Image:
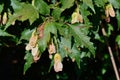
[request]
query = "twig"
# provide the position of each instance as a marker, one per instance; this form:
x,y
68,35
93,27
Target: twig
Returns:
x,y
111,55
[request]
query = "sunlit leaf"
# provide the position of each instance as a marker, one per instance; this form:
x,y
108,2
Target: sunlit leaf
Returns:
x,y
16,5
26,12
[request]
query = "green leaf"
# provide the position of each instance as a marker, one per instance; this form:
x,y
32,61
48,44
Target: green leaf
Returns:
x,y
29,60
110,29
51,64
85,13
82,39
115,3
118,40
104,71
118,18
48,29
75,54
67,4
89,3
42,43
42,7
64,46
25,35
56,13
61,28
1,8
100,3
84,54
3,33
26,12
16,5
67,49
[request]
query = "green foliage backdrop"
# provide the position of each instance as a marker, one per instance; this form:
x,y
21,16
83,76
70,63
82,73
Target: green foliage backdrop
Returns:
x,y
66,29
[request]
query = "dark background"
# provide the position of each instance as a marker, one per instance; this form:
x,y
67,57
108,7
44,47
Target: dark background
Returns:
x,y
12,63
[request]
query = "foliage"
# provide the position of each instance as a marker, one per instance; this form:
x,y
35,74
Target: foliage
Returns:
x,y
70,28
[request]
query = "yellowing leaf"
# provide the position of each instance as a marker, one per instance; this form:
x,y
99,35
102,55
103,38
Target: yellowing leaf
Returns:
x,y
51,48
40,30
57,58
33,39
28,47
76,17
35,51
58,66
109,11
4,20
112,12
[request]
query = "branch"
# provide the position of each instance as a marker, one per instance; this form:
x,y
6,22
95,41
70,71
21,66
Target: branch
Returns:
x,y
111,53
